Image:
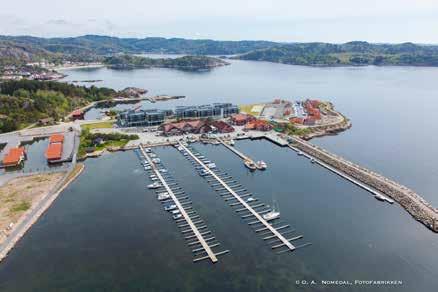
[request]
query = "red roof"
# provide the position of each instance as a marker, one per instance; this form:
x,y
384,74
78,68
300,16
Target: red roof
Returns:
x,y
77,112
56,138
239,117
14,156
54,151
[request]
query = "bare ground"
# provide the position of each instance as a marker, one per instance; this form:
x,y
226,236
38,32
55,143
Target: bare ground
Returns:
x,y
20,194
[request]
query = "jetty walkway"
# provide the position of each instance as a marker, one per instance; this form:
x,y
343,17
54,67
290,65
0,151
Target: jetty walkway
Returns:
x,y
231,190
194,234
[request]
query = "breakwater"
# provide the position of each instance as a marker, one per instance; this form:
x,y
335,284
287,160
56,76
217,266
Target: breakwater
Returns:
x,y
418,207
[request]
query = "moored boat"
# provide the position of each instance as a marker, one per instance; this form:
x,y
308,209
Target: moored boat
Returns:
x,y
250,164
154,185
261,165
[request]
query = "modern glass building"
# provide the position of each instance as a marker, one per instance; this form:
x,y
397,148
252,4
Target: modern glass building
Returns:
x,y
142,118
216,110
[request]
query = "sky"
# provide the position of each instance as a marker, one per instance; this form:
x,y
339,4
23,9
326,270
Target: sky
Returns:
x,y
336,21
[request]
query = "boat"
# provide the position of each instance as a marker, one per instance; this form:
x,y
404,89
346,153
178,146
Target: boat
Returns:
x,y
231,142
154,178
177,216
250,199
271,215
250,164
379,197
211,165
163,170
152,155
156,160
300,153
163,196
147,168
147,150
312,160
203,172
170,207
174,212
261,165
154,185
274,213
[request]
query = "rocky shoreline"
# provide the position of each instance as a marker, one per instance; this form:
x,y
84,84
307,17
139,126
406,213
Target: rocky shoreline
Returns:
x,y
413,203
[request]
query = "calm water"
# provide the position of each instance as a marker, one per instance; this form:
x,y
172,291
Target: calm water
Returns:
x,y
106,232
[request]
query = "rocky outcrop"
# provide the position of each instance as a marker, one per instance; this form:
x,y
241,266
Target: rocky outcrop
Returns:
x,y
419,208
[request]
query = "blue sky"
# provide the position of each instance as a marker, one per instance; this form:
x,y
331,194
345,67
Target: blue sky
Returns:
x,y
279,20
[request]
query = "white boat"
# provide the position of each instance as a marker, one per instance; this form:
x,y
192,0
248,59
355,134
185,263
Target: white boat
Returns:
x,y
174,212
170,207
312,160
147,168
156,160
271,215
261,165
251,165
152,155
211,165
154,185
300,153
163,170
163,196
231,142
154,178
177,216
250,199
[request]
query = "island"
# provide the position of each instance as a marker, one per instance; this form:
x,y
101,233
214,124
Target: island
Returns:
x,y
189,63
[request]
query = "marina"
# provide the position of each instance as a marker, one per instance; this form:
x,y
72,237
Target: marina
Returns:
x,y
261,220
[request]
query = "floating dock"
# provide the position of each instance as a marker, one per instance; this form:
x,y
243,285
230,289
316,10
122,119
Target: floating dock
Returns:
x,y
246,208
194,231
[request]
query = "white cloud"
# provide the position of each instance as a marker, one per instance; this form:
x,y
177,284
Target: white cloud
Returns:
x,y
286,20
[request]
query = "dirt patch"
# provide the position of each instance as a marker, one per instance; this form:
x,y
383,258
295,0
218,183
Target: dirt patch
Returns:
x,y
20,194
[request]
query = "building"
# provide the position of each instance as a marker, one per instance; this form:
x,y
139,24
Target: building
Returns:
x,y
54,151
258,125
14,157
185,127
222,127
241,119
77,115
142,118
55,148
56,138
215,110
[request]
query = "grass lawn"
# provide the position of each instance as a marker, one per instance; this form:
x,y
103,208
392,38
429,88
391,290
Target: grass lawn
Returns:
x,y
247,108
102,125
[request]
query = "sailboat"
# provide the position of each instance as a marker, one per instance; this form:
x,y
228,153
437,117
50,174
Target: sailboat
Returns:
x,y
274,214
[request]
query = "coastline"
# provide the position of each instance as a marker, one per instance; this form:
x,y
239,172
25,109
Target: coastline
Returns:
x,y
21,227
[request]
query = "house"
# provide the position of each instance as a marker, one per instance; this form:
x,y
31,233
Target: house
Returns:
x,y
185,127
56,138
14,157
241,119
258,125
77,115
222,127
54,151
